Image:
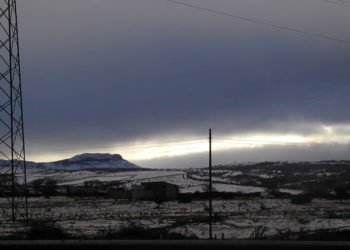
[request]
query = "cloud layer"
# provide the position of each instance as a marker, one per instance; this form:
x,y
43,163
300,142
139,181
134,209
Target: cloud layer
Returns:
x,y
101,73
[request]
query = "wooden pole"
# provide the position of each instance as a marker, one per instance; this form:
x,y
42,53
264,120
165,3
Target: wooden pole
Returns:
x,y
210,190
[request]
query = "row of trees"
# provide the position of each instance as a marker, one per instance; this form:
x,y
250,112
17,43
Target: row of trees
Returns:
x,y
44,186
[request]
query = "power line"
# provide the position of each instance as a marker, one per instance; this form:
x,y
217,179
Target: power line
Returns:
x,y
339,2
256,21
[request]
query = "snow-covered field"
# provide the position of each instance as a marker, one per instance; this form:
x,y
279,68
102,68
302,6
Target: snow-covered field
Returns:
x,y
187,183
239,217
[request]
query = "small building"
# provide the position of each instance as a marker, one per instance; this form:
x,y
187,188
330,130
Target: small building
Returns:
x,y
155,190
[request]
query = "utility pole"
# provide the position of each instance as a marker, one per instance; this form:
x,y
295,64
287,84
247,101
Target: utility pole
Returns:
x,y
210,190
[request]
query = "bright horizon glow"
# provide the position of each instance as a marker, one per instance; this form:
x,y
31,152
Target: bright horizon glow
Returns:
x,y
159,149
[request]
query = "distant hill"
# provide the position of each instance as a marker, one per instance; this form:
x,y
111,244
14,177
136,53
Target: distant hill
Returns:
x,y
83,162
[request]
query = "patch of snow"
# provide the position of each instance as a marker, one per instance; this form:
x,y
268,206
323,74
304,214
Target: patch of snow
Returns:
x,y
237,188
291,191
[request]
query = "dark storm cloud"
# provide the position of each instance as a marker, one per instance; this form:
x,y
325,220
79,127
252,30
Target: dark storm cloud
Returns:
x,y
101,72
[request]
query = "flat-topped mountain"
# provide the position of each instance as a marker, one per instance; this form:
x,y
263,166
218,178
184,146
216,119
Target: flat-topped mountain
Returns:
x,y
92,161
83,162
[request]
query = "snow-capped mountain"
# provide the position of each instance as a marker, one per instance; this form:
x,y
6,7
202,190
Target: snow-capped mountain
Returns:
x,y
91,161
83,162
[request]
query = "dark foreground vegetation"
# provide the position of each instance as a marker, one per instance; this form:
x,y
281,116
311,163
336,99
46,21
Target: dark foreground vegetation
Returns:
x,y
51,230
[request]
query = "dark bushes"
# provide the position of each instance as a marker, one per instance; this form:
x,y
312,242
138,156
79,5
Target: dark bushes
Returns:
x,y
134,231
45,230
301,199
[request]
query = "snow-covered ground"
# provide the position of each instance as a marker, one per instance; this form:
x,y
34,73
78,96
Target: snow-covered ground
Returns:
x,y
129,178
187,182
239,217
237,188
291,191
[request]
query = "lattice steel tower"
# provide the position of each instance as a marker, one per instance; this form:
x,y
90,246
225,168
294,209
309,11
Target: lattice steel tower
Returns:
x,y
13,184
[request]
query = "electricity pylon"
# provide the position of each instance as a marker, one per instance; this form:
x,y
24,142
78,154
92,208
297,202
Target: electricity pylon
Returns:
x,y
13,176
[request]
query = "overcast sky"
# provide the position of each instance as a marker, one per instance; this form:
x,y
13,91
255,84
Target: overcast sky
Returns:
x,y
148,78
